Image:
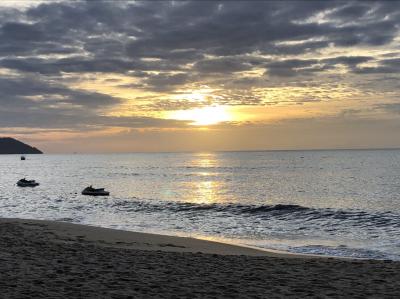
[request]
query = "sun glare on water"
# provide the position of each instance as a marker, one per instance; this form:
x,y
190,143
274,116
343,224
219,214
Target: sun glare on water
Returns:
x,y
204,116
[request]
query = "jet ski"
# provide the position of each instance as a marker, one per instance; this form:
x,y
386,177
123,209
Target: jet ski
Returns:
x,y
95,191
27,183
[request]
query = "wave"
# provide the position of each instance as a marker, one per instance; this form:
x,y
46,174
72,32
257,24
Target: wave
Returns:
x,y
193,207
289,212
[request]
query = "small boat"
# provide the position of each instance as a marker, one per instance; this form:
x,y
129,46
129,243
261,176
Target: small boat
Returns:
x,y
23,158
27,183
95,191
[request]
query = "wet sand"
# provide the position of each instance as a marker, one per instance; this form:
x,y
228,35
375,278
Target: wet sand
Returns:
x,y
45,259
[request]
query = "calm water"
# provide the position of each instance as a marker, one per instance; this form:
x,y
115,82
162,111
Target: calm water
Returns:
x,y
344,203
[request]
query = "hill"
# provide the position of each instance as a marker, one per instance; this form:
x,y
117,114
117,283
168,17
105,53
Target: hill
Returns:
x,y
12,146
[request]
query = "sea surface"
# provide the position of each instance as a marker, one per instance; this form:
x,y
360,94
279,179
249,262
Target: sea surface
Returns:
x,y
339,203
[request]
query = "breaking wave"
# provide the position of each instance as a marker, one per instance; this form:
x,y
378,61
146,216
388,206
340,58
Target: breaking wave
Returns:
x,y
279,211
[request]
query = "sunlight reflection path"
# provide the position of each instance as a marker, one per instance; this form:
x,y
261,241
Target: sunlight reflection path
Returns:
x,y
207,190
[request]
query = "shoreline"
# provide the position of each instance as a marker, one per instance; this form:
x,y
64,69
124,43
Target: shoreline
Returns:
x,y
48,259
147,241
119,238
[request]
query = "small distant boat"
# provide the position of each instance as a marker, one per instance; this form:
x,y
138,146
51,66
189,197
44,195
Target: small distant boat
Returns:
x,y
27,183
23,158
95,191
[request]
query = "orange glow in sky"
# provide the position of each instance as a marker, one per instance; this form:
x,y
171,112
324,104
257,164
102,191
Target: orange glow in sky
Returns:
x,y
222,76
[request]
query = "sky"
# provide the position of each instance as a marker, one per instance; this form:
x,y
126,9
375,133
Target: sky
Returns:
x,y
128,76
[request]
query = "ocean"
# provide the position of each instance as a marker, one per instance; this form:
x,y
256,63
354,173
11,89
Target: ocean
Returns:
x,y
337,203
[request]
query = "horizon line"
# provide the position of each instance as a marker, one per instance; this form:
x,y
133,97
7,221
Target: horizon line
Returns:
x,y
225,151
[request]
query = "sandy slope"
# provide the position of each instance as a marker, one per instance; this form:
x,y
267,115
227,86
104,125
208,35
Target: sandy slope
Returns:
x,y
43,259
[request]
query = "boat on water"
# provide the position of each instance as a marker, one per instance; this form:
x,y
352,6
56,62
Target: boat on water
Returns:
x,y
27,183
23,158
95,191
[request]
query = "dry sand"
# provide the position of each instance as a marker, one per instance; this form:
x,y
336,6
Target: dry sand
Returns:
x,y
45,259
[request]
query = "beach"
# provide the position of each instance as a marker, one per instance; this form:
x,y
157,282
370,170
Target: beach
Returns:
x,y
337,203
47,259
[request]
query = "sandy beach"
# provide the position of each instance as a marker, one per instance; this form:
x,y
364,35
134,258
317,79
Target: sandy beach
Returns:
x,y
45,259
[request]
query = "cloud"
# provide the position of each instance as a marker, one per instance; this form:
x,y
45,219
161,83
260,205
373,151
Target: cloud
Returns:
x,y
225,65
102,34
29,91
385,66
32,103
294,67
165,82
239,52
390,107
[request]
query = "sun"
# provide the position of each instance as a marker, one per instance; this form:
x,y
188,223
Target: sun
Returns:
x,y
210,115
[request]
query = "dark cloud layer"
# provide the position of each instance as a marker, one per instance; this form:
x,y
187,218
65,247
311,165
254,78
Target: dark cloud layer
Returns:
x,y
293,67
28,102
114,36
165,45
385,66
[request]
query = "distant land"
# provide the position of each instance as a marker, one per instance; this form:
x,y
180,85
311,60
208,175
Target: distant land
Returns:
x,y
12,146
